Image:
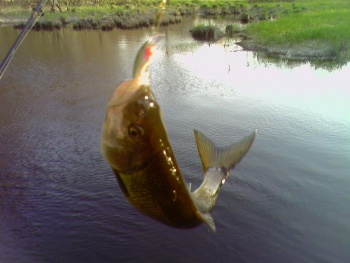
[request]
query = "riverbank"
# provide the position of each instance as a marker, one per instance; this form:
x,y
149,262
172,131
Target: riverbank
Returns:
x,y
143,13
92,17
303,30
129,16
321,32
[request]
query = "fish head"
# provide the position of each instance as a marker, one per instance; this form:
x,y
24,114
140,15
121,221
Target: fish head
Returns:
x,y
132,127
133,124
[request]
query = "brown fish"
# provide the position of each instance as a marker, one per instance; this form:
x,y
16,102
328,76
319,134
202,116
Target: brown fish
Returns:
x,y
135,144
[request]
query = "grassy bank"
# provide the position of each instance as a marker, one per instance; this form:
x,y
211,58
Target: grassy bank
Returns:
x,y
244,9
323,25
317,28
89,17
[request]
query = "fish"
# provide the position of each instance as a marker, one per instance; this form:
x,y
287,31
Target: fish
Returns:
x,y
135,144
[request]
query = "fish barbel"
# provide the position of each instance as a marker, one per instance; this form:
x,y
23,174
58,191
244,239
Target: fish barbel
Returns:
x,y
135,144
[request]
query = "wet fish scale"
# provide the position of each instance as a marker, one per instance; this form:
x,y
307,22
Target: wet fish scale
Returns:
x,y
135,144
160,196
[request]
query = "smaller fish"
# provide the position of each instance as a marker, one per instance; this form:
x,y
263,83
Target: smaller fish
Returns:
x,y
143,57
135,144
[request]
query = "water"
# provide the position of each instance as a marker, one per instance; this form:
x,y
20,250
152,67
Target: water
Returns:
x,y
287,201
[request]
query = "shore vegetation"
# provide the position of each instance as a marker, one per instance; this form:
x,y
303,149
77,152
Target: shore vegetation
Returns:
x,y
291,28
324,25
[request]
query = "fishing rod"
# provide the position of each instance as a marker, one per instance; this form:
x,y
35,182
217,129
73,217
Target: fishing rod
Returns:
x,y
28,26
35,16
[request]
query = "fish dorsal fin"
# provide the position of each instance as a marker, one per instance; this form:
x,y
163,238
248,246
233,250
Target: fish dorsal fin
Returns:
x,y
207,218
212,156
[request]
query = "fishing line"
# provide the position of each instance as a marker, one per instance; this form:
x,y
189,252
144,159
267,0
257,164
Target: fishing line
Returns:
x,y
159,16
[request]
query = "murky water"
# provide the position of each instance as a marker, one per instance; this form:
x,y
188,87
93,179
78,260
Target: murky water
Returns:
x,y
287,201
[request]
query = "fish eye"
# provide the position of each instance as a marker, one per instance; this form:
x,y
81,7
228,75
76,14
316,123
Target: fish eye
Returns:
x,y
135,131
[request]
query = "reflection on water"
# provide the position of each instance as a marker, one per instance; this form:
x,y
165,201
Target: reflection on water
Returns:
x,y
315,64
287,201
301,87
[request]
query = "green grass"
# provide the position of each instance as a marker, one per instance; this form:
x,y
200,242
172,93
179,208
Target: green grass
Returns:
x,y
203,32
323,22
316,22
14,11
85,11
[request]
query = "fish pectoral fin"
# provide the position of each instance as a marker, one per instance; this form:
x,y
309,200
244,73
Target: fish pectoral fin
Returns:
x,y
213,156
207,218
189,187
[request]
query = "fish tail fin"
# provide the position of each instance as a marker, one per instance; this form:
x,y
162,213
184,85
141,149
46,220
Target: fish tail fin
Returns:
x,y
213,156
207,218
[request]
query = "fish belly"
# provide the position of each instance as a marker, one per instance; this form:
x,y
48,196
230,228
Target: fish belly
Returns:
x,y
160,192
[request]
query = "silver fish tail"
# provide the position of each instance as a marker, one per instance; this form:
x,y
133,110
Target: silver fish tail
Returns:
x,y
135,144
217,165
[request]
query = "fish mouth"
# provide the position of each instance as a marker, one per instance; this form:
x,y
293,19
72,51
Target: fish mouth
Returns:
x,y
141,76
126,92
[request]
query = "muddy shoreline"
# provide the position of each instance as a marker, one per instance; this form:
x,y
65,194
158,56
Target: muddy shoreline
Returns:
x,y
304,51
